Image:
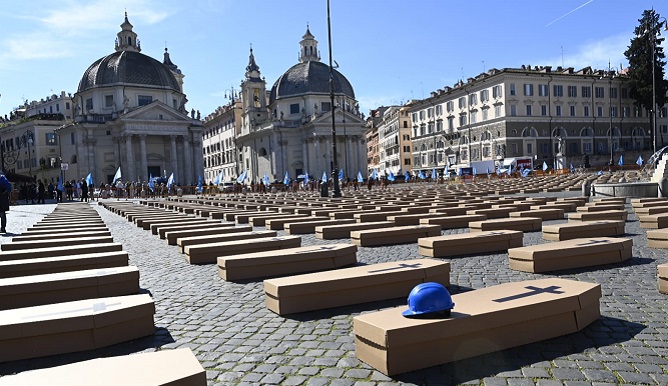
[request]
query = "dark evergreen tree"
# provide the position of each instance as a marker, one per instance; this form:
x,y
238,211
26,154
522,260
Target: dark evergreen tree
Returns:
x,y
644,46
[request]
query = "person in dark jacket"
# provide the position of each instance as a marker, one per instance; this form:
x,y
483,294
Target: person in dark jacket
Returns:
x,y
41,192
5,189
84,190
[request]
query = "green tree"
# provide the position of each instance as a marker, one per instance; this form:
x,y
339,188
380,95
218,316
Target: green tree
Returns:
x,y
646,44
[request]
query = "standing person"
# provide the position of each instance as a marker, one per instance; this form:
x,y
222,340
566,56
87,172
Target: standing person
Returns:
x,y
68,190
84,190
41,192
51,190
5,189
119,189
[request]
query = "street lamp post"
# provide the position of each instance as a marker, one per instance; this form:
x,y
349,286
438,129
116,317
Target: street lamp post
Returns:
x,y
652,35
335,167
610,75
28,139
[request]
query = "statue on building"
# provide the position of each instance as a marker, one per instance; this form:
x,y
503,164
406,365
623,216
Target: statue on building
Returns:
x,y
126,104
199,117
560,145
192,113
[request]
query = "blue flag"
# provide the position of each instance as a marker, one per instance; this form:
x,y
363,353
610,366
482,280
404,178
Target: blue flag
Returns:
x,y
621,160
390,176
433,173
170,181
421,175
265,179
117,176
525,172
446,172
374,175
306,178
600,173
544,166
341,174
151,184
242,177
572,169
199,183
286,179
459,172
639,161
407,176
60,185
359,176
89,179
324,176
219,178
474,171
488,171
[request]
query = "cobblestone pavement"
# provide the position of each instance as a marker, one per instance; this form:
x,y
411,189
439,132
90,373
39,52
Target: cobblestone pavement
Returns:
x,y
239,341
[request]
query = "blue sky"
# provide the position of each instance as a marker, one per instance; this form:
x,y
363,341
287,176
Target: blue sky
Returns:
x,y
390,50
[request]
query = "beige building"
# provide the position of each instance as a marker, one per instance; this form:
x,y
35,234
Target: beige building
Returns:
x,y
576,117
129,112
394,140
219,142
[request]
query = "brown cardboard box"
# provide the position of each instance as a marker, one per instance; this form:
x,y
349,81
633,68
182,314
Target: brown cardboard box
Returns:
x,y
353,285
393,235
160,230
544,214
569,254
331,232
524,224
60,251
48,243
35,290
73,229
209,253
279,224
177,367
470,243
44,265
299,228
662,273
482,321
657,238
453,222
173,236
577,230
654,221
74,326
185,242
283,262
602,215
146,225
66,235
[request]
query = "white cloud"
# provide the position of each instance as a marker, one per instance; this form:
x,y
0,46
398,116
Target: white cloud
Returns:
x,y
596,54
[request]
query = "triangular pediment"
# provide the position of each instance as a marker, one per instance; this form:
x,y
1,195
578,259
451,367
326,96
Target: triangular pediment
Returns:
x,y
340,115
155,111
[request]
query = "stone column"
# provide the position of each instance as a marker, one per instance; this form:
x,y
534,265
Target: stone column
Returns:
x,y
188,162
129,151
316,157
305,155
172,155
91,159
352,173
198,154
361,155
180,167
117,153
143,173
328,157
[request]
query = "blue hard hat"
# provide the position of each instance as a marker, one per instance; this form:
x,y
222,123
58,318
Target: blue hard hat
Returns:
x,y
428,297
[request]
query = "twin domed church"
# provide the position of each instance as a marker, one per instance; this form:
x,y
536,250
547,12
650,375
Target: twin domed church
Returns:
x,y
129,111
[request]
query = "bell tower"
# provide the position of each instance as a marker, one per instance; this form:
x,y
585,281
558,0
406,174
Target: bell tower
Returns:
x,y
309,48
254,96
126,39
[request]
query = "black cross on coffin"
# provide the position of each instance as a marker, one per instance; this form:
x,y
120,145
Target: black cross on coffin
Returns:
x,y
532,291
400,266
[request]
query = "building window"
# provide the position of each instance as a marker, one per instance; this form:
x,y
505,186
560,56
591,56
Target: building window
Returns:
x,y
143,100
485,113
439,125
529,148
422,115
67,105
613,92
513,148
415,117
572,110
599,111
558,90
430,112
439,110
572,91
450,106
585,111
430,127
497,111
529,110
613,111
599,92
543,110
557,110
586,92
513,110
496,92
586,147
542,90
294,108
108,101
451,123
626,111
407,162
325,106
461,102
89,104
57,107
51,139
528,89
625,93
462,120
512,89
484,95
545,148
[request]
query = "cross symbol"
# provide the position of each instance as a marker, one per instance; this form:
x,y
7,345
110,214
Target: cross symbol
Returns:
x,y
97,307
322,248
532,291
593,242
400,266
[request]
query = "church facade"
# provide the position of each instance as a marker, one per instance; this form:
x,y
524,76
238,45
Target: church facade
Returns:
x,y
289,128
129,112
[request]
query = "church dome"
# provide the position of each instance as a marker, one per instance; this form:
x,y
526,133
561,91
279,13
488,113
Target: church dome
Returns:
x,y
128,68
310,77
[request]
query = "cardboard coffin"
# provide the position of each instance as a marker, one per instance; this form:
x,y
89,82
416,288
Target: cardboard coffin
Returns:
x,y
60,251
600,207
576,253
470,243
524,224
662,273
331,232
209,253
187,221
286,261
493,212
595,216
393,235
654,221
576,230
185,242
43,265
28,291
73,229
80,325
299,228
280,224
453,222
48,243
483,321
160,230
177,367
65,235
355,285
173,236
544,214
657,238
